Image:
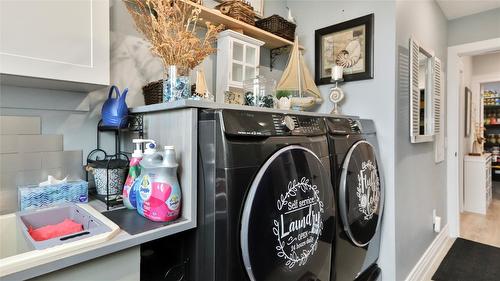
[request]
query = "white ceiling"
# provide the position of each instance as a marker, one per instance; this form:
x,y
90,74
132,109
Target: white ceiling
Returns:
x,y
453,9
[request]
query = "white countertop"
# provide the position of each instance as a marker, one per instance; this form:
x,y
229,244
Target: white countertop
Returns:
x,y
121,241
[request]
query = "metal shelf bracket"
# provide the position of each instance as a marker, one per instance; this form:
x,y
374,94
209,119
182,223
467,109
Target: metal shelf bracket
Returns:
x,y
275,53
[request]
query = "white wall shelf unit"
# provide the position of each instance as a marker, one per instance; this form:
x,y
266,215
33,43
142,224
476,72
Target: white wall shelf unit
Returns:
x,y
238,58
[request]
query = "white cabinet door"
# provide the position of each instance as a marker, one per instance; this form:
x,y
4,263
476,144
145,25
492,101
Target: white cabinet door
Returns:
x,y
477,181
54,39
244,62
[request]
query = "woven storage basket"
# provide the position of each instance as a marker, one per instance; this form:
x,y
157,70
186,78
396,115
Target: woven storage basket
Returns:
x,y
239,10
278,26
153,92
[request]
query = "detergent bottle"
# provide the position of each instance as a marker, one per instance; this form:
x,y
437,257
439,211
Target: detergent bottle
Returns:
x,y
158,193
173,201
129,199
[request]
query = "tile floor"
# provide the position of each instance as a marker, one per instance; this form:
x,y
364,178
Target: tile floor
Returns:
x,y
483,228
480,228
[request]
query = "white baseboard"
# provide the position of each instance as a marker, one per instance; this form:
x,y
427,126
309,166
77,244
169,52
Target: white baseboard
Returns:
x,y
430,256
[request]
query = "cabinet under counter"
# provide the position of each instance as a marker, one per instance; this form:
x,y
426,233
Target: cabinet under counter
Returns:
x,y
477,183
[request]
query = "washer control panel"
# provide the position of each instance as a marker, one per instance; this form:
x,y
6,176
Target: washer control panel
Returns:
x,y
251,123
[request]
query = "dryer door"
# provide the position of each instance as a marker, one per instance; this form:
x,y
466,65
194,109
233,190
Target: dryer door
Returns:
x,y
360,193
287,224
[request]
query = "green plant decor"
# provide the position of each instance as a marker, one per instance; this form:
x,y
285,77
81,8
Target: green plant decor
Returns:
x,y
282,93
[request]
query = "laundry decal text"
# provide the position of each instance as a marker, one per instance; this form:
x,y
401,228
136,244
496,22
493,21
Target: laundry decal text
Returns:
x,y
368,190
299,224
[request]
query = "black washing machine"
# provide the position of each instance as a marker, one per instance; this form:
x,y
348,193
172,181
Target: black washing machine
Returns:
x,y
358,185
266,205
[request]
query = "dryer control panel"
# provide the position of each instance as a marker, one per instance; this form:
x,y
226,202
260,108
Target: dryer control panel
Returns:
x,y
252,123
343,126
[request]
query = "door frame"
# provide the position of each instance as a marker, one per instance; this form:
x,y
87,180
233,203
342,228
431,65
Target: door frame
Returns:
x,y
453,122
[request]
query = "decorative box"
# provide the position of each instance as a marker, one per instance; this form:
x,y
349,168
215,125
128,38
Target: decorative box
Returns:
x,y
238,9
33,197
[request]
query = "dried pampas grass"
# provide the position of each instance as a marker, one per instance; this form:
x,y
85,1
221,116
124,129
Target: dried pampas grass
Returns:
x,y
170,26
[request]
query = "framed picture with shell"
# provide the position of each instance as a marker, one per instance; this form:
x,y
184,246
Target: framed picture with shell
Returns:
x,y
348,44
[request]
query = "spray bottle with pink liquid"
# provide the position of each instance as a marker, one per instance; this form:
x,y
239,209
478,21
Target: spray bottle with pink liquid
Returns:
x,y
129,199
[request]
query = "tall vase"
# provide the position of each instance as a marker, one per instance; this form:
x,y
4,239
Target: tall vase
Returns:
x,y
176,85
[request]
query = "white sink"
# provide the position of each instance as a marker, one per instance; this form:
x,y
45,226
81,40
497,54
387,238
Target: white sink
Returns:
x,y
17,254
12,241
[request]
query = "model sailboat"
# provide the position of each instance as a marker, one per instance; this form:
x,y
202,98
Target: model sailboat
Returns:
x,y
201,90
297,78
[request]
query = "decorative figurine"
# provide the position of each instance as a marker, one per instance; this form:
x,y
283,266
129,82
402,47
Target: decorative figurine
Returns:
x,y
477,145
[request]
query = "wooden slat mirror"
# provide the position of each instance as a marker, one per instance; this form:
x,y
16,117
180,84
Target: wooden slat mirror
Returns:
x,y
425,94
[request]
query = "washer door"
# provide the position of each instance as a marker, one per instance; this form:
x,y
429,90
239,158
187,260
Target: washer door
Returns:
x,y
360,193
287,225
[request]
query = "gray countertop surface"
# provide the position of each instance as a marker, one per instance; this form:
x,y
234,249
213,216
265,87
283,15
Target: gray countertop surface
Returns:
x,y
180,104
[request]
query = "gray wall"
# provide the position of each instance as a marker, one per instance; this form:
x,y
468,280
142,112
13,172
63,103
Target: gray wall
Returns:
x,y
488,64
372,98
477,27
421,184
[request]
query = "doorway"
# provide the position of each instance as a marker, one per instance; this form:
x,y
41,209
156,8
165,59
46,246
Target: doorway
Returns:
x,y
480,216
466,94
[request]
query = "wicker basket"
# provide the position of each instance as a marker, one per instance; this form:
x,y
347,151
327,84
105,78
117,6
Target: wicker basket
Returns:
x,y
153,92
277,25
239,10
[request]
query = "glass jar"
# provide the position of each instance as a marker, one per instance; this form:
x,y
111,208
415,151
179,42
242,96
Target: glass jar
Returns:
x,y
260,91
495,151
493,119
492,139
176,85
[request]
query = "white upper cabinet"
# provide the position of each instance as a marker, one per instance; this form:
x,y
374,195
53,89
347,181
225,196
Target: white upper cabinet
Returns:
x,y
238,58
54,43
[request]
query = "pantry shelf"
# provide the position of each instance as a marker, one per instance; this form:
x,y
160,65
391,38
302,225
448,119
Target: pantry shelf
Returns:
x,y
492,126
492,106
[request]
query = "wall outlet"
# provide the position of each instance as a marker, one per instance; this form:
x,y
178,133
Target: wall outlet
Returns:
x,y
436,222
437,225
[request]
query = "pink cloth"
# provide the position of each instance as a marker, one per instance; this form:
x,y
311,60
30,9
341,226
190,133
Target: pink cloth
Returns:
x,y
50,231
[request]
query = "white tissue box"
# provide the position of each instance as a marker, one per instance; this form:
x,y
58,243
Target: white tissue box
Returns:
x,y
33,196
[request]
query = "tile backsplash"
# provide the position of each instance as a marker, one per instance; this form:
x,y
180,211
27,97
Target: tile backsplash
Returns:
x,y
20,125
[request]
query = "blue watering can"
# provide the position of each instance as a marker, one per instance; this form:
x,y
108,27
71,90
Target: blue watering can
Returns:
x,y
115,110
